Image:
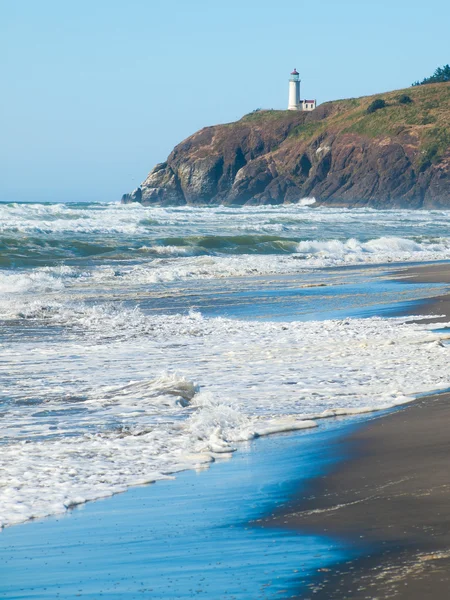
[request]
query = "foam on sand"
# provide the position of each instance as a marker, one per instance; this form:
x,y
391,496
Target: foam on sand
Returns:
x,y
78,428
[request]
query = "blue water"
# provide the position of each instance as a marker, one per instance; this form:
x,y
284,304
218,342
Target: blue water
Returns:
x,y
317,295
94,297
187,538
372,296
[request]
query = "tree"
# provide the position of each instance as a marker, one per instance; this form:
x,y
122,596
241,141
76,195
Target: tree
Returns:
x,y
441,75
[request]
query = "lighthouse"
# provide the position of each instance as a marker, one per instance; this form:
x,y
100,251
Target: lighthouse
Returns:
x,y
294,94
294,91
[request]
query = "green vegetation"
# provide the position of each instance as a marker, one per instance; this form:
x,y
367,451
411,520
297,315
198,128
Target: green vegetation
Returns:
x,y
423,119
435,143
418,116
441,75
376,105
306,131
264,115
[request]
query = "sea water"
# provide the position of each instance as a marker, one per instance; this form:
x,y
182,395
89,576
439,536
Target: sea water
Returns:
x,y
138,343
198,536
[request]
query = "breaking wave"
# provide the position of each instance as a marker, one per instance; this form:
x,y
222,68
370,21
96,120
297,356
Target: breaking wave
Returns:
x,y
194,263
33,234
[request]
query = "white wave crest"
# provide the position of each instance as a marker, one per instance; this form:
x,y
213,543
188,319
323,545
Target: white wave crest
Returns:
x,y
190,264
33,281
385,249
308,255
306,201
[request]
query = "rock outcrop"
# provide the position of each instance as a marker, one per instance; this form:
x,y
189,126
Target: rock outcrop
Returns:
x,y
397,156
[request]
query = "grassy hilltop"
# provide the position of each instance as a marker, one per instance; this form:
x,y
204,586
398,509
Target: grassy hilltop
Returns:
x,y
345,152
426,117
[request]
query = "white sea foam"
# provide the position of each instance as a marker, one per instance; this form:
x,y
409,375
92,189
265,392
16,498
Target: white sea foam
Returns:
x,y
166,221
99,396
188,265
308,255
175,244
198,387
35,281
306,201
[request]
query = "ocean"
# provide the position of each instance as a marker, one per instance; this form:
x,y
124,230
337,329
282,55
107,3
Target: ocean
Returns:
x,y
138,343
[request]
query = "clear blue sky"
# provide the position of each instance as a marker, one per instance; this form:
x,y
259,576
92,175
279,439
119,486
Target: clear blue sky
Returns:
x,y
94,93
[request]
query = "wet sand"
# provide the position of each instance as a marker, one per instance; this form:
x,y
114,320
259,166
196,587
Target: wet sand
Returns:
x,y
432,273
438,306
390,500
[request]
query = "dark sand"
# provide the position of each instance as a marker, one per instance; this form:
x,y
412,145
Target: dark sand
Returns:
x,y
390,500
439,305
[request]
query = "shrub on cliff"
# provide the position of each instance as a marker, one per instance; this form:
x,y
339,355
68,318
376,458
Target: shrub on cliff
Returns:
x,y
405,99
376,105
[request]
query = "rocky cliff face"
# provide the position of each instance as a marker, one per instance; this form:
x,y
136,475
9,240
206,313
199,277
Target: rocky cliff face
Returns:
x,y
340,154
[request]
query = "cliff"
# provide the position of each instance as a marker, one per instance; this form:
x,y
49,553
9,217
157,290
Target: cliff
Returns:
x,y
397,156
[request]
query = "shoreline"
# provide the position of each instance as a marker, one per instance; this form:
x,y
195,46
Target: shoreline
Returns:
x,y
191,531
389,503
122,506
436,307
389,500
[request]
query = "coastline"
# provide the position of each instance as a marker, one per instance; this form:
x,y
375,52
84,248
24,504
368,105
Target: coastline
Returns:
x,y
182,538
121,520
437,307
390,499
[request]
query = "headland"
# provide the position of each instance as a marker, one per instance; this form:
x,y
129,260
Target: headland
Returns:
x,y
389,150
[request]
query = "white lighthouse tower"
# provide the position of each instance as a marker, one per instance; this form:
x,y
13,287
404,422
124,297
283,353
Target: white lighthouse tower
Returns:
x,y
294,91
294,94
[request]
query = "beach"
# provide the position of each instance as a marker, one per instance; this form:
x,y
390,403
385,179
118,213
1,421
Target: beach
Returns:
x,y
439,306
390,499
225,316
229,357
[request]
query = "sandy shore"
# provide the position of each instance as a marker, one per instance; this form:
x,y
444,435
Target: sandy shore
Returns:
x,y
439,305
390,500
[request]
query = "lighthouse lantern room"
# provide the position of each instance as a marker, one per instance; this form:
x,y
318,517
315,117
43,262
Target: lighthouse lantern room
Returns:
x,y
294,94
